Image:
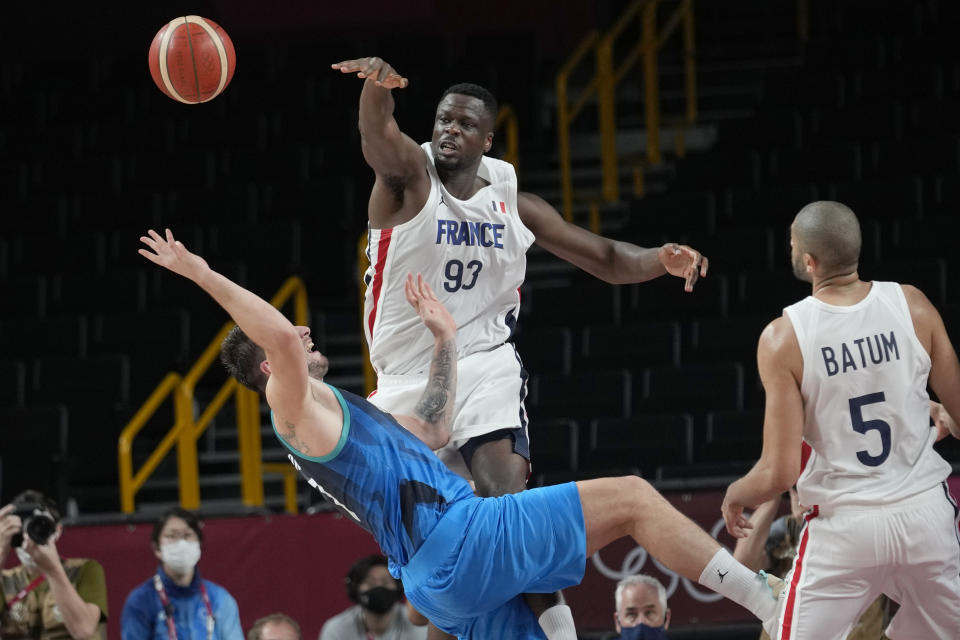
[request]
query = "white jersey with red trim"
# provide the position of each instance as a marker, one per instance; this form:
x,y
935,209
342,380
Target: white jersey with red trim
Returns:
x,y
867,435
472,252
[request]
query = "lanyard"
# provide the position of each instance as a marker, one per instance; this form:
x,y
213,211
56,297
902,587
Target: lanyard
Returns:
x,y
168,608
23,593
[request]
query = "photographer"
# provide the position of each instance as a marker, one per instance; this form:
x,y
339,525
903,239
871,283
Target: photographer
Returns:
x,y
46,596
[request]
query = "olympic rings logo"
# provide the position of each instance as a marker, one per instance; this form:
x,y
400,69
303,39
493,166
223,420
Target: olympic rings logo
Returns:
x,y
634,561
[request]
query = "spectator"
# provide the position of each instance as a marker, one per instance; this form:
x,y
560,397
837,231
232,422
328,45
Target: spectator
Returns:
x,y
176,602
773,546
276,626
378,612
46,596
642,612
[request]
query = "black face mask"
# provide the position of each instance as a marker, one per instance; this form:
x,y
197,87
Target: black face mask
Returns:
x,y
379,600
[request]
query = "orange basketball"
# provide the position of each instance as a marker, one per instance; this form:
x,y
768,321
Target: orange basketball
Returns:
x,y
192,59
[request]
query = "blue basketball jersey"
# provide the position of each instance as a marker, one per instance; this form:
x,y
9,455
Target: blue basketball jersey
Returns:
x,y
383,478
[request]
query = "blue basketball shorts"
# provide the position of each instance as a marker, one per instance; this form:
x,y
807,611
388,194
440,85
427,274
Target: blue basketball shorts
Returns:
x,y
468,574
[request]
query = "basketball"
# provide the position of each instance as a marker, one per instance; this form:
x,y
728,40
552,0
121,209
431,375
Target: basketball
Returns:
x,y
192,59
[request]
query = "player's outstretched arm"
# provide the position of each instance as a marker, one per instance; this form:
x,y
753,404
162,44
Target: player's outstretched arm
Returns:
x,y
780,365
610,260
392,155
434,411
288,386
262,323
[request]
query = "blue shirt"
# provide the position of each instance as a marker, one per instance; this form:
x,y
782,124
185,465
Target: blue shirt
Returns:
x,y
143,616
383,478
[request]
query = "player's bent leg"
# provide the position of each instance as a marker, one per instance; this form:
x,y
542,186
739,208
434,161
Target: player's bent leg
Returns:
x,y
630,506
927,583
497,470
617,507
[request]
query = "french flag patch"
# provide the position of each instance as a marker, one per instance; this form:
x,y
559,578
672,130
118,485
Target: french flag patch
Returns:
x,y
502,209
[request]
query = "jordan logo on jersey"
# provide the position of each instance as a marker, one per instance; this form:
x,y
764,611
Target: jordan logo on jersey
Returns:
x,y
878,349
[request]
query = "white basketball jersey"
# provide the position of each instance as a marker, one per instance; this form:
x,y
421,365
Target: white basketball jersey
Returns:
x,y
472,252
867,435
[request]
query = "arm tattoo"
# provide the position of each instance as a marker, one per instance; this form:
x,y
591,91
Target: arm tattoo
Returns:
x,y
291,437
436,403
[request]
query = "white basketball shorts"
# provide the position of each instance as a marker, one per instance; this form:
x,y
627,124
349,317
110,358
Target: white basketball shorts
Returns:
x,y
909,550
491,388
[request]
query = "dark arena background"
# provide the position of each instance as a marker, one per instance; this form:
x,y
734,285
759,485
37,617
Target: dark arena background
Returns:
x,y
714,140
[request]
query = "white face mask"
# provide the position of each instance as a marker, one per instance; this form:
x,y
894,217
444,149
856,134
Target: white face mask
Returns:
x,y
25,559
181,556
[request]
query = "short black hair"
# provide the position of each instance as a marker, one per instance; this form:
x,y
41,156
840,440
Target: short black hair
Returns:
x,y
35,497
476,91
192,520
242,357
830,232
359,572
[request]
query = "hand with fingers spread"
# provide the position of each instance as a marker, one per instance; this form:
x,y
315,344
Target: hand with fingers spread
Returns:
x,y
373,68
171,254
684,262
434,315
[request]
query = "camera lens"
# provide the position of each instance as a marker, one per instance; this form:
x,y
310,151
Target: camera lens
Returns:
x,y
40,528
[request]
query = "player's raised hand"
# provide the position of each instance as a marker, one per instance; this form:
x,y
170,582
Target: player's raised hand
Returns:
x,y
684,262
374,68
171,254
422,298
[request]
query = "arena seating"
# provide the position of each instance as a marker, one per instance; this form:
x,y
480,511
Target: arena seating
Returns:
x,y
865,113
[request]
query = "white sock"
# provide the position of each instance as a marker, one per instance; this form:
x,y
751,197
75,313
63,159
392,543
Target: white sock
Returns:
x,y
557,623
732,580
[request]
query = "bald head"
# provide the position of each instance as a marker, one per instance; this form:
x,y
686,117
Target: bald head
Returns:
x,y
830,233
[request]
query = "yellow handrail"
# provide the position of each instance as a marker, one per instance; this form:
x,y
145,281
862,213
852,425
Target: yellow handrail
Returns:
x,y
803,20
129,483
289,474
507,118
605,81
187,429
566,113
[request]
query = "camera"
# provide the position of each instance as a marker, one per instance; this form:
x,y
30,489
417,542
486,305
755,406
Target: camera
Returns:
x,y
38,523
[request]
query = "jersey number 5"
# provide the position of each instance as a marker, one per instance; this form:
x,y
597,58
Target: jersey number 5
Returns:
x,y
862,426
454,273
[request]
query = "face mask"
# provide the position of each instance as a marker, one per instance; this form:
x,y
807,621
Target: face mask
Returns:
x,y
25,559
379,600
181,556
643,632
